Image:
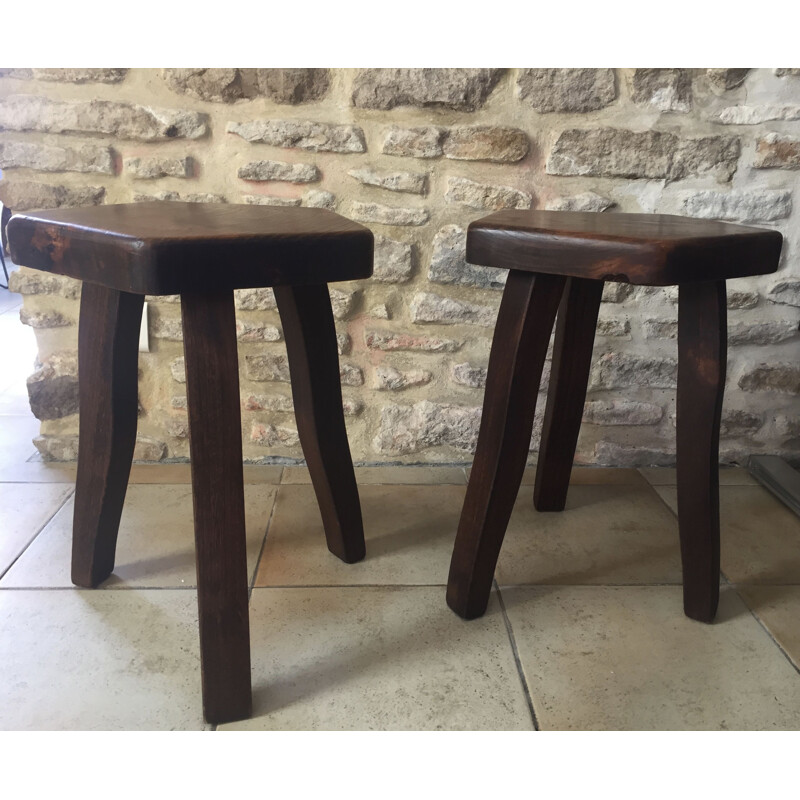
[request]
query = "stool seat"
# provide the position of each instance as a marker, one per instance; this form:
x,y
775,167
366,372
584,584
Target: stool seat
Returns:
x,y
166,248
646,249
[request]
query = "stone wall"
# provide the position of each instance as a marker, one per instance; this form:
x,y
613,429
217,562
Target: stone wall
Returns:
x,y
416,155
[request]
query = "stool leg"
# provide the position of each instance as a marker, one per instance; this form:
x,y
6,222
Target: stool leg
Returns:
x,y
316,389
702,347
108,344
519,347
215,440
572,359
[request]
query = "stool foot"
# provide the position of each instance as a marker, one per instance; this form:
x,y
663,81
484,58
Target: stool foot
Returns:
x,y
517,357
108,341
572,359
316,389
215,440
702,348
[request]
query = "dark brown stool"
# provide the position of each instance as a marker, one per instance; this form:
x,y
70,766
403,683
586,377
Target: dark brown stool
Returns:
x,y
203,253
558,262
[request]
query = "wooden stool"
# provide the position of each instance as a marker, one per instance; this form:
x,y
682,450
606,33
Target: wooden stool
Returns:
x,y
558,261
203,253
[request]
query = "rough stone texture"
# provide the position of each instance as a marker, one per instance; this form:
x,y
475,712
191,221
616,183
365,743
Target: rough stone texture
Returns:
x,y
468,375
387,215
267,402
148,449
567,90
261,299
279,171
485,197
754,115
123,120
621,370
351,375
664,89
613,327
784,378
458,89
409,429
53,388
449,264
47,158
168,328
318,198
722,80
381,311
784,292
27,195
586,201
175,197
44,319
393,260
616,292
306,135
618,455
774,150
739,423
149,168
414,142
761,332
270,200
267,367
390,379
80,75
273,435
256,332
621,153
486,143
740,299
177,368
408,182
750,206
27,281
621,412
57,448
660,328
342,302
433,308
293,86
177,428
386,340
343,343
216,85
785,72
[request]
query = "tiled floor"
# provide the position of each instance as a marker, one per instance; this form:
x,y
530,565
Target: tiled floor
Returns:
x,y
585,628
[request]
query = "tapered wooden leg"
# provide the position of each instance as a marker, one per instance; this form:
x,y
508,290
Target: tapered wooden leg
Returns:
x,y
572,359
518,352
108,343
702,348
316,389
215,440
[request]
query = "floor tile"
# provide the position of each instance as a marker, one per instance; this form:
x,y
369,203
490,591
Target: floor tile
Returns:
x,y
182,473
155,546
379,659
728,476
608,534
39,472
16,441
759,535
24,509
778,608
626,658
84,660
588,476
393,475
409,532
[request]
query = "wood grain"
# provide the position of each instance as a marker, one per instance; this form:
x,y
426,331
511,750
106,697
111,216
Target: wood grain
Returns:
x,y
316,389
215,440
108,351
519,347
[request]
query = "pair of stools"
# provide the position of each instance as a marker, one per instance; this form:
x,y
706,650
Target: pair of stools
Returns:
x,y
558,262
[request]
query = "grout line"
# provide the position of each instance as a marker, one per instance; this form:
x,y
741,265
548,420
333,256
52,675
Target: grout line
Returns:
x,y
766,629
517,661
61,505
263,545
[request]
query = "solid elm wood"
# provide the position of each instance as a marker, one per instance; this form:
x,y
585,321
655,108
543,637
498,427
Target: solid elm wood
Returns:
x,y
310,335
702,354
215,442
164,248
108,338
519,348
651,249
569,376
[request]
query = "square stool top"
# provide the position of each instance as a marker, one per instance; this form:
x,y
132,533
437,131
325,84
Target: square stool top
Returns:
x,y
169,248
648,249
